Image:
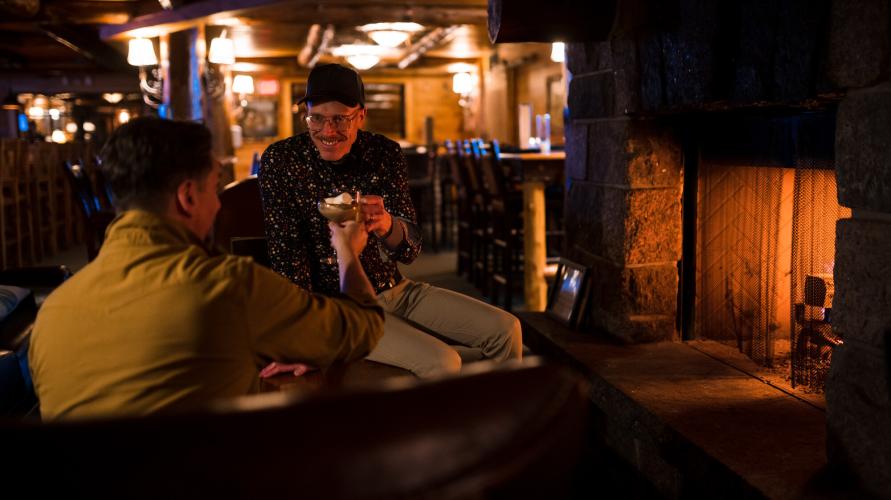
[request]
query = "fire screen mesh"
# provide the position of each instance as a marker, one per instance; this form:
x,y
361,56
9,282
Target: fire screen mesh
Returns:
x,y
813,258
765,239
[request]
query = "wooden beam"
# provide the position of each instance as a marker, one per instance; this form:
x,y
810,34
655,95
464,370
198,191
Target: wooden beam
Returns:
x,y
85,43
353,12
91,83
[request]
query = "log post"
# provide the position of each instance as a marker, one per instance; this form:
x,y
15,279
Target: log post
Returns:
x,y
535,288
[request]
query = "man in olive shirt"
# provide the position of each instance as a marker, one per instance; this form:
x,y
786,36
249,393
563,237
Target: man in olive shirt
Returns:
x,y
157,322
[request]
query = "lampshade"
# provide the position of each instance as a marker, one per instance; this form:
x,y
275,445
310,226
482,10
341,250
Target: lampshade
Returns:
x,y
558,52
141,53
389,38
363,61
462,83
222,50
243,84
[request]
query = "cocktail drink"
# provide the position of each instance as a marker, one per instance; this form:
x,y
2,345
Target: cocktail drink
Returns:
x,y
340,208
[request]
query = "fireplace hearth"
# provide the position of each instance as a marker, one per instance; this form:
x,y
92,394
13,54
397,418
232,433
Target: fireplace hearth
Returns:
x,y
729,177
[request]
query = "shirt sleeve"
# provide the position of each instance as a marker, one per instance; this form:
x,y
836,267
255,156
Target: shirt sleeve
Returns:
x,y
287,253
290,324
398,203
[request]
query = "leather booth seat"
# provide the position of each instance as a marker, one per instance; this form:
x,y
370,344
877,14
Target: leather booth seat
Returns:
x,y
516,431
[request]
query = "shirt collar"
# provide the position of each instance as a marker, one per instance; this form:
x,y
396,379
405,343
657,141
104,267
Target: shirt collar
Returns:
x,y
135,226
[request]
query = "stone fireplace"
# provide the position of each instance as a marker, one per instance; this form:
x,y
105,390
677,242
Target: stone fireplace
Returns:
x,y
768,125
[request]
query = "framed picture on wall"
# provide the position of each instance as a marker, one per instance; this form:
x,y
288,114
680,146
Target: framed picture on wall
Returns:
x,y
258,117
568,292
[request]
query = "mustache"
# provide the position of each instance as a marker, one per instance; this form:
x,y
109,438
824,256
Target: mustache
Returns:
x,y
336,135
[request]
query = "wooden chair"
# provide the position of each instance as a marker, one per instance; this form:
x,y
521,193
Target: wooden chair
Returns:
x,y
15,204
239,224
45,158
420,166
95,216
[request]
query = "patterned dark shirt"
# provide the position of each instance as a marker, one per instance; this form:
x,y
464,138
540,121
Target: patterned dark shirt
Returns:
x,y
294,178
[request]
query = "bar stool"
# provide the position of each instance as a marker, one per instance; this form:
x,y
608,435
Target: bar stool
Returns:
x,y
480,227
461,198
507,226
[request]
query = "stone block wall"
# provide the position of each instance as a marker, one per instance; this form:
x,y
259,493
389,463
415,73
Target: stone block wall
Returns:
x,y
858,390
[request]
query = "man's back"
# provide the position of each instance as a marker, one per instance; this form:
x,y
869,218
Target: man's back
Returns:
x,y
155,323
151,311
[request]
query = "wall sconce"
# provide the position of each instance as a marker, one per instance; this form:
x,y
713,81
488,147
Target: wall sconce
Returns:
x,y
243,84
222,50
558,52
390,34
463,84
141,53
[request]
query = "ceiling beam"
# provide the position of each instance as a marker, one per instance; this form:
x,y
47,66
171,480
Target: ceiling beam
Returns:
x,y
88,83
87,44
436,12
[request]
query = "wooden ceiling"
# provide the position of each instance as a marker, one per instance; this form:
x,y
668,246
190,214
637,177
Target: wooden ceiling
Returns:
x,y
42,39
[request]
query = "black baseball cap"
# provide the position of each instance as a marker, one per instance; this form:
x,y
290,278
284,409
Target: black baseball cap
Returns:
x,y
333,82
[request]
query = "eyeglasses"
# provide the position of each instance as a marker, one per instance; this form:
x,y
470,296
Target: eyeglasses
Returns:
x,y
340,122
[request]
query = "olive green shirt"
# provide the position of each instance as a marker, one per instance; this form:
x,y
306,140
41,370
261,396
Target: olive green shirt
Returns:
x,y
157,323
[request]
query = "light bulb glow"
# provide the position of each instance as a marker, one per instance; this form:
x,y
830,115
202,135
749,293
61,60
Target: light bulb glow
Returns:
x,y
462,83
123,116
558,52
71,127
113,97
89,127
59,137
363,61
389,38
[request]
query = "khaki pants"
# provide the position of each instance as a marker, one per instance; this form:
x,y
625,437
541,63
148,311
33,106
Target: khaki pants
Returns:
x,y
475,329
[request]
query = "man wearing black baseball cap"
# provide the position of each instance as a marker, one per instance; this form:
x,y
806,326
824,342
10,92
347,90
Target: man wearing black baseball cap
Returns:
x,y
335,156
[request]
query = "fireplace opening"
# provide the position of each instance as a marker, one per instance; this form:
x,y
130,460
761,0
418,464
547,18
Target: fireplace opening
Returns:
x,y
760,208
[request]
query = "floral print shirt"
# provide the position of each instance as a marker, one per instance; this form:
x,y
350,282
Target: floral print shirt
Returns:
x,y
294,178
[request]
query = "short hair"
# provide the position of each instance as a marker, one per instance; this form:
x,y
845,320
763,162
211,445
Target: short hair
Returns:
x,y
146,159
